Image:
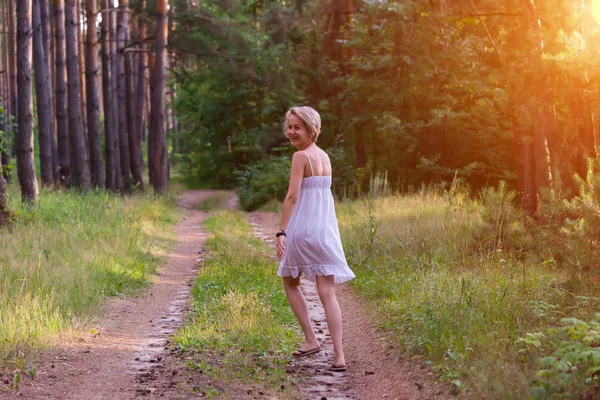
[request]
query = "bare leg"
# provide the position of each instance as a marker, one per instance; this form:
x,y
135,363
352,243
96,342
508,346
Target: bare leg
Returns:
x,y
326,289
300,308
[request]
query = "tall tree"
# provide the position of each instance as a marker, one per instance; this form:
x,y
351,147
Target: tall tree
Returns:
x,y
114,92
110,134
158,134
47,43
6,83
60,73
135,145
93,101
25,161
81,168
12,65
141,84
123,40
43,90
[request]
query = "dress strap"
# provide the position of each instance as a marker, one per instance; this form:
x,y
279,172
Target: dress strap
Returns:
x,y
312,173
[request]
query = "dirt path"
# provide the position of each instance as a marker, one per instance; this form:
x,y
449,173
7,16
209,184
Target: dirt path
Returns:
x,y
115,361
376,370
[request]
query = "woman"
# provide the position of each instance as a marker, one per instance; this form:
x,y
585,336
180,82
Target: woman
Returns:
x,y
308,241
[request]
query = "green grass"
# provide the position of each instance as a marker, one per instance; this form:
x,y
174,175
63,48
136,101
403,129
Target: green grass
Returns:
x,y
242,329
67,253
445,287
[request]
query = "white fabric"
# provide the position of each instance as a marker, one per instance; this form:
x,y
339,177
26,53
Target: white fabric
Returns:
x,y
313,246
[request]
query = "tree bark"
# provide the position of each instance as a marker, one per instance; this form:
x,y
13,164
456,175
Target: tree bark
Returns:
x,y
140,90
536,107
115,97
12,64
81,54
150,139
159,162
43,91
81,169
123,40
135,146
93,101
109,116
6,82
62,115
25,161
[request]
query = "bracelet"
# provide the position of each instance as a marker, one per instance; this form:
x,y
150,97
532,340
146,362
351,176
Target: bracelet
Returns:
x,y
280,233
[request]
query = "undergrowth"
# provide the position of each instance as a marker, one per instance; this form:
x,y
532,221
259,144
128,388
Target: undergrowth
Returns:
x,y
66,253
479,289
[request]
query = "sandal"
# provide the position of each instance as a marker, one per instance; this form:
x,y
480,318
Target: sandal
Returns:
x,y
304,353
337,368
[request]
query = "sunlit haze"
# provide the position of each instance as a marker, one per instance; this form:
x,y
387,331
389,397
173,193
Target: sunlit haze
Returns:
x,y
596,10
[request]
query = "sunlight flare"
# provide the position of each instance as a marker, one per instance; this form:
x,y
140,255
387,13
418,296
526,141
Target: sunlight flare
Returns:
x,y
596,10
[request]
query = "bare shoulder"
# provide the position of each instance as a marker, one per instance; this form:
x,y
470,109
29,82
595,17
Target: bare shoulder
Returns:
x,y
298,155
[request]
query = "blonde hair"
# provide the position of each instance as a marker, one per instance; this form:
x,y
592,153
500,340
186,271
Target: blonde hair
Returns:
x,y
309,116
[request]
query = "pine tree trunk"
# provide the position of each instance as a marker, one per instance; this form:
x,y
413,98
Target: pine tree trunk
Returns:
x,y
109,117
25,161
47,41
81,53
150,138
62,114
159,162
43,90
4,150
81,169
114,92
135,146
539,164
123,40
140,90
12,63
93,101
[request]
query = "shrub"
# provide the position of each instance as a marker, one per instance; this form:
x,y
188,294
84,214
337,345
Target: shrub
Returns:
x,y
264,181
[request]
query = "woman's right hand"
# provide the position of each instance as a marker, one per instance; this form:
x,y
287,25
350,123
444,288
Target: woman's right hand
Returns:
x,y
280,246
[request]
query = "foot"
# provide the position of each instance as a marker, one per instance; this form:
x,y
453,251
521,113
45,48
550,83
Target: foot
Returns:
x,y
339,363
306,349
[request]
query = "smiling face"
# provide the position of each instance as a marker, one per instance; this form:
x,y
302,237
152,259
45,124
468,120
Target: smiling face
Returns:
x,y
298,133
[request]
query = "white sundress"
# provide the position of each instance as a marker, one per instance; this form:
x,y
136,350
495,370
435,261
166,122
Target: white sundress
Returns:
x,y
313,246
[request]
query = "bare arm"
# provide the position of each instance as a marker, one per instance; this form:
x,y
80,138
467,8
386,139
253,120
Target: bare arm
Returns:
x,y
296,175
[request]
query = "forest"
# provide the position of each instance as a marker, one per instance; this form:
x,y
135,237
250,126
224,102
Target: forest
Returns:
x,y
463,137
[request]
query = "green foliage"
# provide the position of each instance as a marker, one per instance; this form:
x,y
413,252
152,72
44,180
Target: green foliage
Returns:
x,y
232,101
459,281
241,327
574,365
266,180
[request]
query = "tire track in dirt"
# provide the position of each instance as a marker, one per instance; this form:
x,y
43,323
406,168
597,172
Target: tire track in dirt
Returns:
x,y
118,360
376,369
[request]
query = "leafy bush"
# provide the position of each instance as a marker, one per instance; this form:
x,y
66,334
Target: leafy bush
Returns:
x,y
575,363
266,180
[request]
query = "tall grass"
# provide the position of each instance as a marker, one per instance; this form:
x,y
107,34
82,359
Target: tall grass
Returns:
x,y
68,252
242,328
464,282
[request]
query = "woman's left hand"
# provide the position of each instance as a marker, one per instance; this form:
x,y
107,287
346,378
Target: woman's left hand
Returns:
x,y
280,246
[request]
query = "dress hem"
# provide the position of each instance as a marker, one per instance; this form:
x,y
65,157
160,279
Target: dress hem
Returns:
x,y
311,271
